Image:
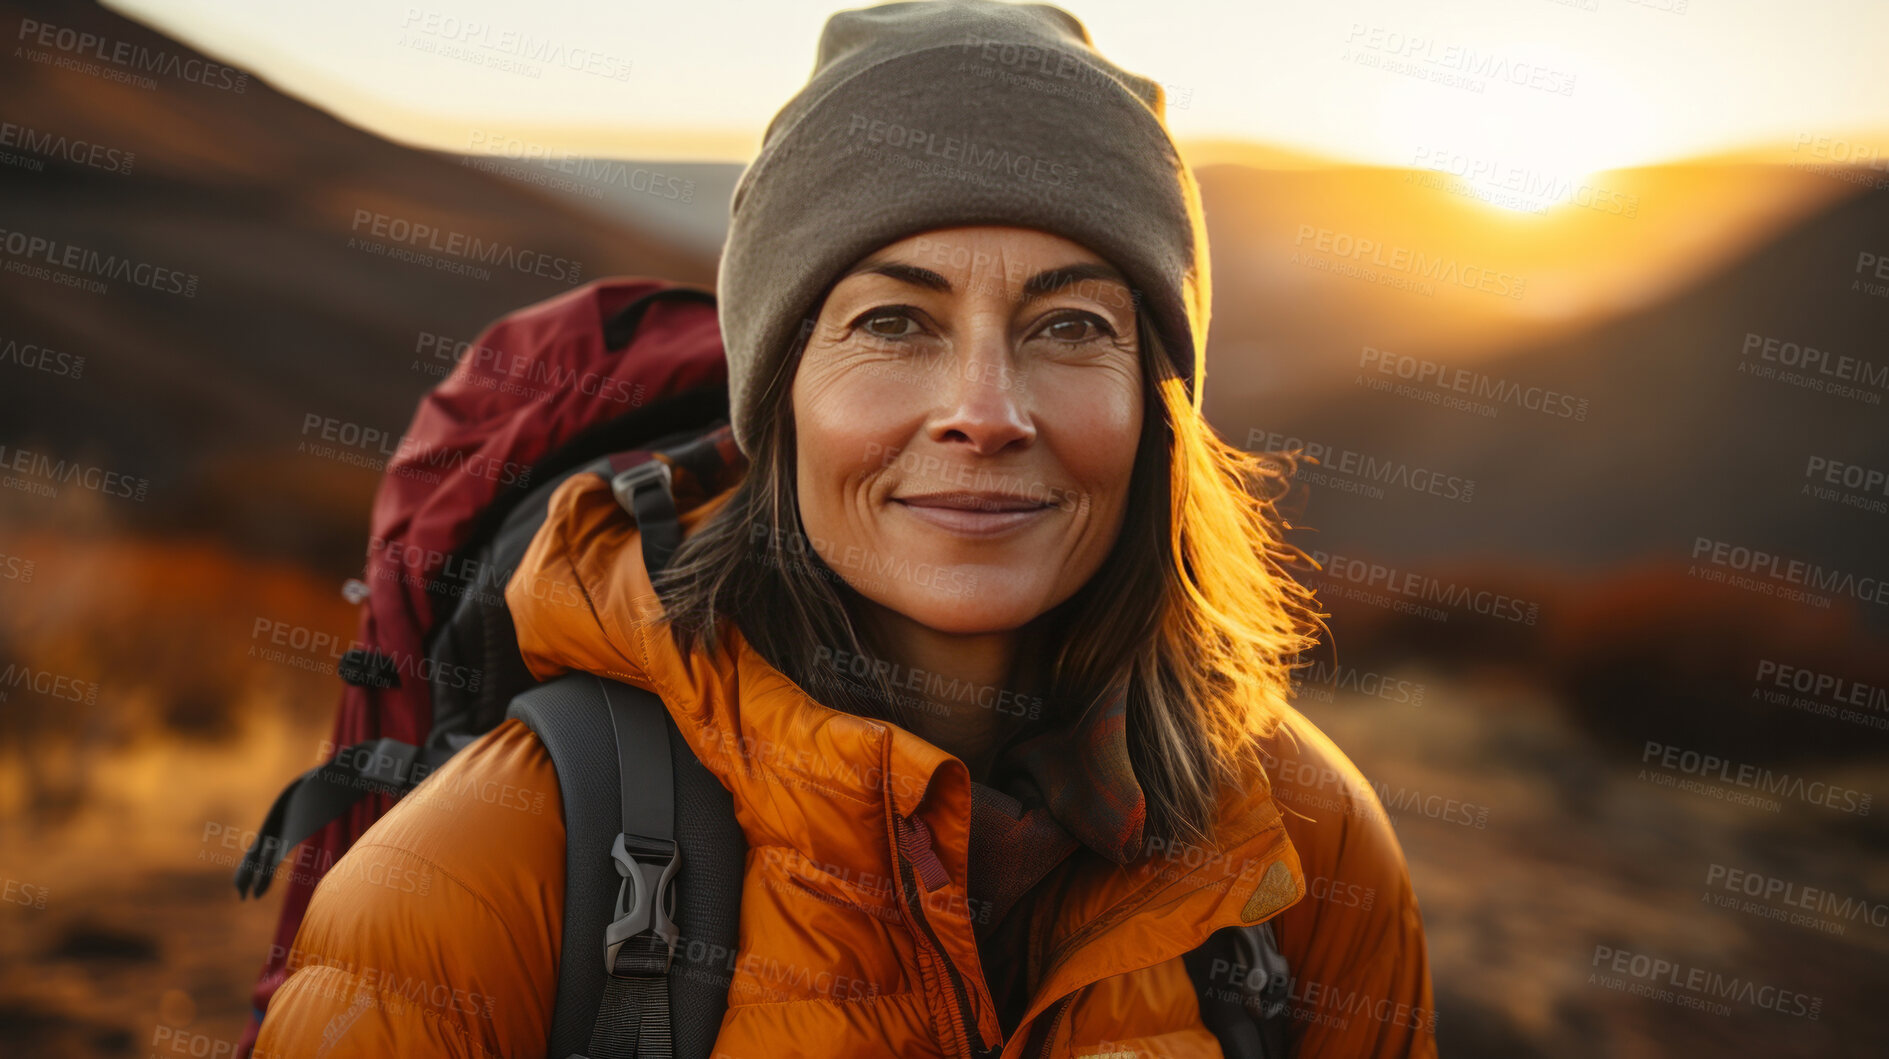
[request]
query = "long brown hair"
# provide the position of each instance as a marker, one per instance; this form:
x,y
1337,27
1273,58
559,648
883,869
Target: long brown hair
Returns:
x,y
1193,606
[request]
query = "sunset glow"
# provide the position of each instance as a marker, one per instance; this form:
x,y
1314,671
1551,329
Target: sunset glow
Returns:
x,y
1539,89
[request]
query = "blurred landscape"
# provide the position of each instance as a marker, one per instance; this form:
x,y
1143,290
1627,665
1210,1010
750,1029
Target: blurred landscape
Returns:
x,y
1577,615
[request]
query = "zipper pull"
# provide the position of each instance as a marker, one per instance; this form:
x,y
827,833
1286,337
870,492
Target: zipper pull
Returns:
x,y
915,843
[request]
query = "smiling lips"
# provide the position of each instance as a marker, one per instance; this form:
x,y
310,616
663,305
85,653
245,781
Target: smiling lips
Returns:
x,y
972,514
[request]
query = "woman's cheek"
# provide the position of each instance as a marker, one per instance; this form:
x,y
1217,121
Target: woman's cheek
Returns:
x,y
1095,420
848,433
860,417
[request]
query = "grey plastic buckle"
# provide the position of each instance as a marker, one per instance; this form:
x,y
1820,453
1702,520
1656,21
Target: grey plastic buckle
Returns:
x,y
625,484
644,899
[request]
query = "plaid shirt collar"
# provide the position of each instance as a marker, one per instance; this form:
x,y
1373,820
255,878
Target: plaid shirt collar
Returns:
x,y
1058,790
1082,776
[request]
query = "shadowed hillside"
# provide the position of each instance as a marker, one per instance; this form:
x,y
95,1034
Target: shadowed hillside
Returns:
x,y
286,218
1675,441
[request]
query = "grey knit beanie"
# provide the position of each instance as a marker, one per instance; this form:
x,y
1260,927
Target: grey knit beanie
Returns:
x,y
943,113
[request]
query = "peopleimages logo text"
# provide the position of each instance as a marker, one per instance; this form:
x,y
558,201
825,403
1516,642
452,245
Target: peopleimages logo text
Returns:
x,y
977,157
1790,571
1755,777
1707,983
459,244
42,249
131,56
1415,263
1425,587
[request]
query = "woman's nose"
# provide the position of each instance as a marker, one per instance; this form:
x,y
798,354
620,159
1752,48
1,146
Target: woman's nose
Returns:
x,y
981,401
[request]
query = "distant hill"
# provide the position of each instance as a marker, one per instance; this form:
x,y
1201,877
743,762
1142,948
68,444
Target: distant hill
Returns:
x,y
1676,443
258,196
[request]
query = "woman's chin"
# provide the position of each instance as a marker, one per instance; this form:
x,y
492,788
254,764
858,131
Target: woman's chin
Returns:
x,y
987,608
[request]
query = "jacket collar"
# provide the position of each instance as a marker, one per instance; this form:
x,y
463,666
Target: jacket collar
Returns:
x,y
1164,902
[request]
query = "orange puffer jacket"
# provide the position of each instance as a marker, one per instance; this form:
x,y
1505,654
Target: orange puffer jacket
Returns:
x,y
438,933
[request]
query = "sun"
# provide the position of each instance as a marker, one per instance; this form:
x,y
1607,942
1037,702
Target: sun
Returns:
x,y
1519,151
1527,189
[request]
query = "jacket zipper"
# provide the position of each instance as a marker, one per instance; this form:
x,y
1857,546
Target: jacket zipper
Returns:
x,y
966,1020
1052,1018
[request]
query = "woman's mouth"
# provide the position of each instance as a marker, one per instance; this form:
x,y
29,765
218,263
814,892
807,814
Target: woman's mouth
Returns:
x,y
974,514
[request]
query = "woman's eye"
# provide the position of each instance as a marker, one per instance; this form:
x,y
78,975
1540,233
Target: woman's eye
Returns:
x,y
887,325
1081,327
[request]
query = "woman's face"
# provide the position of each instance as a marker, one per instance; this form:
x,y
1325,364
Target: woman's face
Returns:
x,y
967,411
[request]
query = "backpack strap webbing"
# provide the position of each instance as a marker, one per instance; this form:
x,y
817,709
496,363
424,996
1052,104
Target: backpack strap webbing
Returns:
x,y
647,489
640,943
653,863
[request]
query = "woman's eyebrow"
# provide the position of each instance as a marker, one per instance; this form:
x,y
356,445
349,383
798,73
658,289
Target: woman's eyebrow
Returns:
x,y
1055,279
1044,282
912,274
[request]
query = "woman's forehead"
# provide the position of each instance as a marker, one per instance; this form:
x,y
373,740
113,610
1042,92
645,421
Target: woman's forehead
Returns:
x,y
974,246
1024,263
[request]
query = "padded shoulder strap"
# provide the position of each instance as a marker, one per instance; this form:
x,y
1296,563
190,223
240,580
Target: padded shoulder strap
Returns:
x,y
640,942
653,867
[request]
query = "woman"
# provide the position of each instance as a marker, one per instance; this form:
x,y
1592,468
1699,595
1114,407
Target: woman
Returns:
x,y
990,645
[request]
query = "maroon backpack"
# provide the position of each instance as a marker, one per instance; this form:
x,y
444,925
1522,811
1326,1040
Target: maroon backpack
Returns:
x,y
616,374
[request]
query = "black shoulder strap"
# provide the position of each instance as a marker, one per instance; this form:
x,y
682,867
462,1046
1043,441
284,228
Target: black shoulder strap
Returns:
x,y
1243,983
320,795
653,867
640,943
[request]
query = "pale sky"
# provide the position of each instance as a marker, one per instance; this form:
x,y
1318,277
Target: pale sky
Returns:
x,y
1569,86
